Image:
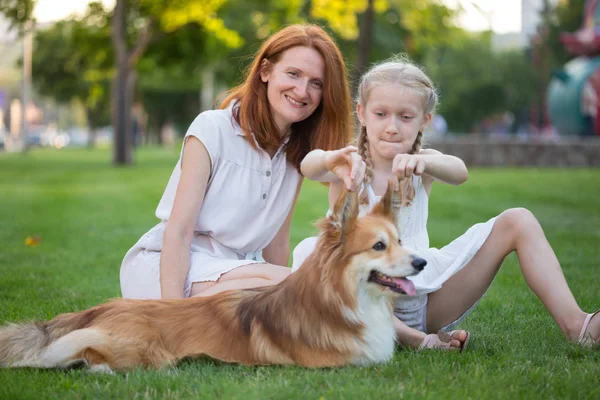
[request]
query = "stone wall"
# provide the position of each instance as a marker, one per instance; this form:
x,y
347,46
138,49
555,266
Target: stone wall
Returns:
x,y
475,150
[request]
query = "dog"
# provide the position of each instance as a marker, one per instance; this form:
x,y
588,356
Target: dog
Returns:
x,y
336,310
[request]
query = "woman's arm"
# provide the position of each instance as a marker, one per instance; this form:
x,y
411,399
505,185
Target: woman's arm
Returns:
x,y
175,257
278,251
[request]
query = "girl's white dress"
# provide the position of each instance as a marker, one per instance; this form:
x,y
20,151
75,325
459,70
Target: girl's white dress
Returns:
x,y
441,263
247,200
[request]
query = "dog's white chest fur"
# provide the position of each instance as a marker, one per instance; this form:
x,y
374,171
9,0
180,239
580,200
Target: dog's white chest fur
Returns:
x,y
378,338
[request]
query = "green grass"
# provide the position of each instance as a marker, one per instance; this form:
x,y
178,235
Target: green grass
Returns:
x,y
88,214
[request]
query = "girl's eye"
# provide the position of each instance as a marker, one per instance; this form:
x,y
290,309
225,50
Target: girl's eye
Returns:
x,y
380,114
407,117
379,246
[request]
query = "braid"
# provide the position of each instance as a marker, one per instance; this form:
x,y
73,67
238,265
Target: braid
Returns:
x,y
363,152
416,148
408,189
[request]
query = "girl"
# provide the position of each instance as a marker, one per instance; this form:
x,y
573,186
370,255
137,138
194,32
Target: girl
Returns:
x,y
225,214
395,104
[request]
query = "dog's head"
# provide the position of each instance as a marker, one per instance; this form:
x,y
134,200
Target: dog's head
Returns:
x,y
365,252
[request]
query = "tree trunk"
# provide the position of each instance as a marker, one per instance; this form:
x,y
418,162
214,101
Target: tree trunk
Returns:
x,y
207,92
91,130
365,38
124,82
120,110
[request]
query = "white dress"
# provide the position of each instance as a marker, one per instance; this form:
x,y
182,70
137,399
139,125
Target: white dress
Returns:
x,y
248,197
441,263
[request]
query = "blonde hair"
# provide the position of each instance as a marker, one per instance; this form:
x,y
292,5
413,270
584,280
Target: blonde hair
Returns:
x,y
398,70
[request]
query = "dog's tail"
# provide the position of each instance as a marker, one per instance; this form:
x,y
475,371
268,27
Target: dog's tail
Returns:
x,y
49,344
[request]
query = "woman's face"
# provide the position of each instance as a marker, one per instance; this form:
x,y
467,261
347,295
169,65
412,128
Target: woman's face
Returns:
x,y
294,85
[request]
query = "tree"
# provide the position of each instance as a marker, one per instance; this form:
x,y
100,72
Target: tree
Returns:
x,y
476,82
18,12
151,16
73,61
370,30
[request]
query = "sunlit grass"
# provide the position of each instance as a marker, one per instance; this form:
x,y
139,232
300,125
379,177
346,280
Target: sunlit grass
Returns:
x,y
86,215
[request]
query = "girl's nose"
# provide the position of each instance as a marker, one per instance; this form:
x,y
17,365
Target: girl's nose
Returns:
x,y
392,128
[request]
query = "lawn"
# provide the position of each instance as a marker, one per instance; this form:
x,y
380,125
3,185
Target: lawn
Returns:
x,y
87,214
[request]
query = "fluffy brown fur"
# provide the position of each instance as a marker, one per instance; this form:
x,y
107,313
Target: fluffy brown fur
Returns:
x,y
334,310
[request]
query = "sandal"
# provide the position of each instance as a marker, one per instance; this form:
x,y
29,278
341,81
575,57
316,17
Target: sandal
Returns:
x,y
441,340
585,338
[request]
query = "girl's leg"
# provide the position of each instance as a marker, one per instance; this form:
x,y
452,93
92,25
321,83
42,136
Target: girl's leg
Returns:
x,y
514,230
244,277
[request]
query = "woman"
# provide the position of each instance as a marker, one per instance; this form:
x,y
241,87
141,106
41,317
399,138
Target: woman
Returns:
x,y
226,212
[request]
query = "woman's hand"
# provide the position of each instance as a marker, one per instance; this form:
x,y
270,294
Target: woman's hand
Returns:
x,y
347,165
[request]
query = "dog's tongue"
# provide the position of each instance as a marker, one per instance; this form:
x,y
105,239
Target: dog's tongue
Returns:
x,y
406,285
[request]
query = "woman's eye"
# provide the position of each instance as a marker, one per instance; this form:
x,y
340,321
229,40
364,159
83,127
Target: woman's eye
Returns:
x,y
317,84
379,246
293,73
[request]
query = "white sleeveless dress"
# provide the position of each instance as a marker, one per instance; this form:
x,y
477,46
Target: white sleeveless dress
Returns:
x,y
247,200
441,263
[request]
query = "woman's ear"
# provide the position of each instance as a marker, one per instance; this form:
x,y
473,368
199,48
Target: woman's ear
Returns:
x,y
265,70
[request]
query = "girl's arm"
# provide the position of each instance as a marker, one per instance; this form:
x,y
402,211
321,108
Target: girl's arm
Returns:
x,y
344,165
278,251
175,256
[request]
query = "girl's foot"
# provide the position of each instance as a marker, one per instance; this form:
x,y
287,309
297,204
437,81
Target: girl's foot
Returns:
x,y
590,330
455,340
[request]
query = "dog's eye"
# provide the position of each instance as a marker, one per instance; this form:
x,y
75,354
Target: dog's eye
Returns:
x,y
379,246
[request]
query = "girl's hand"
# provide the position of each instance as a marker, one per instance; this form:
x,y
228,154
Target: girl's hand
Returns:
x,y
407,165
347,165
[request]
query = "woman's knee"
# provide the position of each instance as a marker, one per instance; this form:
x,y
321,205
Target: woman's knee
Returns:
x,y
266,271
279,273
199,287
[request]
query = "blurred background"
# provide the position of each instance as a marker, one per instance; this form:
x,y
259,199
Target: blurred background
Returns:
x,y
519,79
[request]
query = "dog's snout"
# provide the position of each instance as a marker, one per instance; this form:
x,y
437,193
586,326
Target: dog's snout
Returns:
x,y
418,263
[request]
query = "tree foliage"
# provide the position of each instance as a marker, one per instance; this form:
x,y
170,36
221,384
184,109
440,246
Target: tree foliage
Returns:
x,y
73,60
475,82
167,46
18,12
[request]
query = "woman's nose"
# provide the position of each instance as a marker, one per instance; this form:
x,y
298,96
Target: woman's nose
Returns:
x,y
301,89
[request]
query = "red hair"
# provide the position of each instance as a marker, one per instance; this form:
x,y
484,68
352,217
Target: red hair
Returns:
x,y
329,127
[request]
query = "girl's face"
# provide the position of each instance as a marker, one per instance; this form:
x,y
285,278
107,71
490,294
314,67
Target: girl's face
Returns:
x,y
393,116
294,85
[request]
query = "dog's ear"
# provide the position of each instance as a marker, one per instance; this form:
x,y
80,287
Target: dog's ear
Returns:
x,y
345,211
389,205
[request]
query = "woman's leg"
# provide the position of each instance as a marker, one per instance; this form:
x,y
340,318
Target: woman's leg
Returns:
x,y
244,277
514,230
